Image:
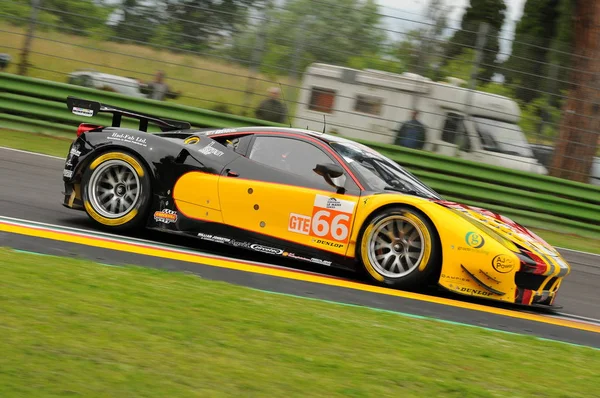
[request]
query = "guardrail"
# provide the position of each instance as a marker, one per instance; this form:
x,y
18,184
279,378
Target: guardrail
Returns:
x,y
533,200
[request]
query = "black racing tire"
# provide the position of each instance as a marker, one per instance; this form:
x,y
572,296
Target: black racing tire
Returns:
x,y
116,191
400,248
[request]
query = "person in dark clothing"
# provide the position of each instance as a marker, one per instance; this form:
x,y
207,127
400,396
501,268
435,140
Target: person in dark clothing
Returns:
x,y
411,134
272,109
159,90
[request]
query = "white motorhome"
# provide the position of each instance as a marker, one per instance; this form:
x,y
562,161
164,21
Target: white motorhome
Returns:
x,y
370,105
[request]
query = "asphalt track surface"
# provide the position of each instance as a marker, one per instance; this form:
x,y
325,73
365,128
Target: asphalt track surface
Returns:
x,y
31,188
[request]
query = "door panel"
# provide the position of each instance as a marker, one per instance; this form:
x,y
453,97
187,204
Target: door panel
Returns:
x,y
276,193
306,216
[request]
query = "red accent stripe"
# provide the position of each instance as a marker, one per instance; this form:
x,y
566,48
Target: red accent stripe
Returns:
x,y
526,296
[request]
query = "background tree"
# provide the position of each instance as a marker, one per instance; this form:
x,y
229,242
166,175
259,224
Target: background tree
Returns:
x,y
138,20
490,11
202,22
79,17
422,49
340,32
580,124
542,37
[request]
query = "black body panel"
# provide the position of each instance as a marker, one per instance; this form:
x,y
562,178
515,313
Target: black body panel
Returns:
x,y
167,158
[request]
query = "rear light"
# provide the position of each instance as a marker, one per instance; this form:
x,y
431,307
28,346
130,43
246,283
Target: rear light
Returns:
x,y
83,127
532,263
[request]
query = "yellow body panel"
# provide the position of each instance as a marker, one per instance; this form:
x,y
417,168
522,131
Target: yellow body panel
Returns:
x,y
478,255
196,195
290,213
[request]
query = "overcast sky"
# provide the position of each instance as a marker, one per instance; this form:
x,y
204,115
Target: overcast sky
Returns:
x,y
415,10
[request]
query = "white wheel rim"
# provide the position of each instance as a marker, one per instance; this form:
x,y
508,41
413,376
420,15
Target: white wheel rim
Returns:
x,y
396,246
114,189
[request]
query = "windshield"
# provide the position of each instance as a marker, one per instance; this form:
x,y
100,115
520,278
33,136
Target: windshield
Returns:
x,y
380,172
502,137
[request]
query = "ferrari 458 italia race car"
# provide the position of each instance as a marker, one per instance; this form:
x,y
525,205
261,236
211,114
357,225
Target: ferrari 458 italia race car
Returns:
x,y
303,195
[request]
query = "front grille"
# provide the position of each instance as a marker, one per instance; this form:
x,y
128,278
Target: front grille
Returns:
x,y
529,281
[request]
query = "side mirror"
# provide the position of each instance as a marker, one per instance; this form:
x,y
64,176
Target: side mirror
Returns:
x,y
333,175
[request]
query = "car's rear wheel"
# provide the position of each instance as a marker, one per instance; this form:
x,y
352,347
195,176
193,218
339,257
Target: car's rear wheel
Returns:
x,y
399,247
116,190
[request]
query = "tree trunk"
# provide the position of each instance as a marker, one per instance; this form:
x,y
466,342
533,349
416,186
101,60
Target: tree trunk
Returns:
x,y
580,124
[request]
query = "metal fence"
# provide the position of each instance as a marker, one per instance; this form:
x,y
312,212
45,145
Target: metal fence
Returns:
x,y
480,96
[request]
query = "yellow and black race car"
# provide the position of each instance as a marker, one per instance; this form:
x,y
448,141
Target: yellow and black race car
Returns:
x,y
303,195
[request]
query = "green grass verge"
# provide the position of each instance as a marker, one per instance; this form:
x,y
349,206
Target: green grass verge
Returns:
x,y
35,142
59,146
72,327
205,82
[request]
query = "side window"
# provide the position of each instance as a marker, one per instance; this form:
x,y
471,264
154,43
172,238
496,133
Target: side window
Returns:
x,y
451,127
454,132
368,104
321,100
290,155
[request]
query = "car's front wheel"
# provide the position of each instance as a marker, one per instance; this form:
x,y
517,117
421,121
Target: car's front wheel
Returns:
x,y
116,190
399,247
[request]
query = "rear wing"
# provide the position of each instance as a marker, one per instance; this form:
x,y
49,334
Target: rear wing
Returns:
x,y
87,108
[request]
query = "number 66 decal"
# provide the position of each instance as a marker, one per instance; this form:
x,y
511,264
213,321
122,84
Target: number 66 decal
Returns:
x,y
331,218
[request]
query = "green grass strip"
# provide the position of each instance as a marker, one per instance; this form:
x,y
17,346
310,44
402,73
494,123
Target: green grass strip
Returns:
x,y
70,327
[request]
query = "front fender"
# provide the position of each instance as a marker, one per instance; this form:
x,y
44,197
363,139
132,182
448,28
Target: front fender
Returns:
x,y
475,261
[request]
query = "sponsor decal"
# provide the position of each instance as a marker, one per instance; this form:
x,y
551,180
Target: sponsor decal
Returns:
x,y
336,245
471,250
68,173
266,249
132,139
296,257
214,238
474,292
83,112
331,219
474,240
503,263
333,203
299,223
166,216
75,150
237,243
209,150
455,278
222,131
319,261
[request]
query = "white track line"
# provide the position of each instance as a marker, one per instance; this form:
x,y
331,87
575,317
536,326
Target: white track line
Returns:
x,y
577,251
59,158
144,242
31,153
585,319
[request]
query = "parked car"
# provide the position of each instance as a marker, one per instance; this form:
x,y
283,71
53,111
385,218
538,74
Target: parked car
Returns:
x,y
108,82
544,154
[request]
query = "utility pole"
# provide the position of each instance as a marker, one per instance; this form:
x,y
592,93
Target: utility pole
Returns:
x,y
484,28
257,53
24,63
